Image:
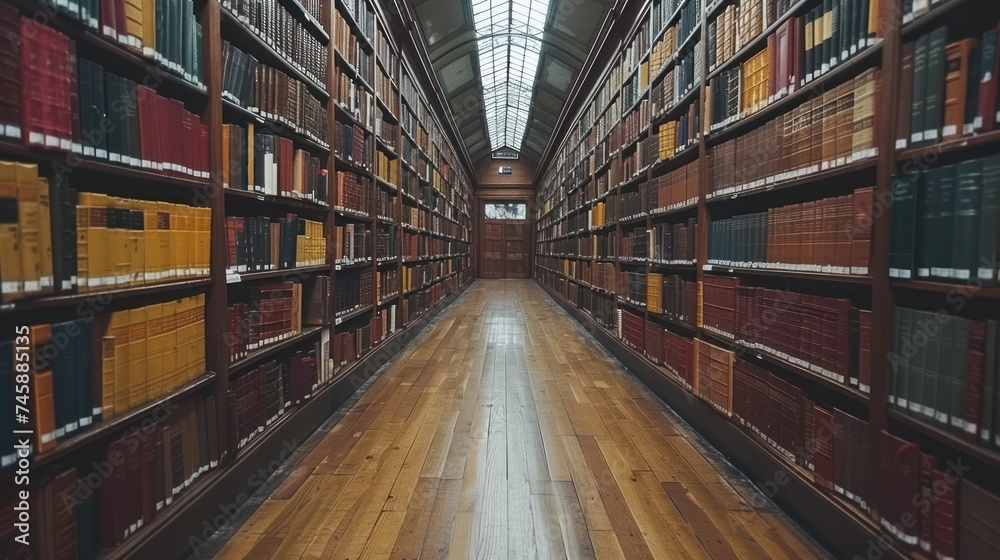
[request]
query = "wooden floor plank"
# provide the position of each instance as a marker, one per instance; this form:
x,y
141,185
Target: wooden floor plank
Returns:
x,y
506,434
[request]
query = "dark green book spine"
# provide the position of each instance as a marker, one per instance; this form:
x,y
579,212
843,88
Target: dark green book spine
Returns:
x,y
925,217
938,385
958,368
934,106
900,361
986,261
919,89
904,213
989,383
968,207
85,90
99,85
135,144
114,109
943,225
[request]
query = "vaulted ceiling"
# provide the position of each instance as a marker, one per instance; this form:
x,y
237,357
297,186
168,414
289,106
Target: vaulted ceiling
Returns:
x,y
510,47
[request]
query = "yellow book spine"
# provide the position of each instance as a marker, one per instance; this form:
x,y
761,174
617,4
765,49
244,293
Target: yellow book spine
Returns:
x,y
45,230
11,278
30,226
138,384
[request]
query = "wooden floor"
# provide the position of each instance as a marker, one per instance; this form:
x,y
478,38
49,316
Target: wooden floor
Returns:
x,y
506,434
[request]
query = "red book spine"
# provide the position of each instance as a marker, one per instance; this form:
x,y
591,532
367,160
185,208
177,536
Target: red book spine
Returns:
x,y
974,381
945,517
928,464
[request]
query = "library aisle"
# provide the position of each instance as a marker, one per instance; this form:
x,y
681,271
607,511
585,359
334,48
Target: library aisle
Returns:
x,y
506,433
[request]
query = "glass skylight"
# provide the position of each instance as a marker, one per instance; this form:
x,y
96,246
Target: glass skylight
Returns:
x,y
508,36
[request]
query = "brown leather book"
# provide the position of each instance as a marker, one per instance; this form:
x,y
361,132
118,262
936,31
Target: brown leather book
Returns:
x,y
43,416
979,510
958,79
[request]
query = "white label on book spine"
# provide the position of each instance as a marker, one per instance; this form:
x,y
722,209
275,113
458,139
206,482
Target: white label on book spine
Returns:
x,y
931,134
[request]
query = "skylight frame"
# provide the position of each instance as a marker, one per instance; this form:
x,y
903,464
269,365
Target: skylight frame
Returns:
x,y
509,46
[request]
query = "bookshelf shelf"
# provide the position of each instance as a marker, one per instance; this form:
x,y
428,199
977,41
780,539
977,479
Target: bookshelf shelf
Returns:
x,y
353,265
77,163
280,274
249,41
864,165
985,455
282,129
967,288
948,147
763,356
939,10
107,428
260,354
299,204
674,322
353,314
799,275
101,298
856,63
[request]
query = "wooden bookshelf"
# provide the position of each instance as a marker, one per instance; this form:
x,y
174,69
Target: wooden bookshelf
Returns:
x,y
586,152
445,203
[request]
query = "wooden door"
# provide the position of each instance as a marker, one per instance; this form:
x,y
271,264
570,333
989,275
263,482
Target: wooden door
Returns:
x,y
493,249
515,254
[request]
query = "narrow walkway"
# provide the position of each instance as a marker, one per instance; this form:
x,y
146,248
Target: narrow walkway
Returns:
x,y
507,434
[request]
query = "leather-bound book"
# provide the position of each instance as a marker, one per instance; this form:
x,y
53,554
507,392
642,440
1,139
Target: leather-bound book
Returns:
x,y
900,482
958,78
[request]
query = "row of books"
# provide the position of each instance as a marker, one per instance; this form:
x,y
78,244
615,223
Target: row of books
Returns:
x,y
944,222
388,210
947,90
635,87
675,189
89,111
631,287
417,276
738,24
354,98
830,235
632,245
259,397
354,289
674,136
944,372
825,335
599,274
387,283
351,50
360,11
282,30
271,94
666,46
385,89
259,243
270,312
386,169
255,159
352,243
673,297
824,132
673,243
353,143
386,242
103,366
632,124
353,192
